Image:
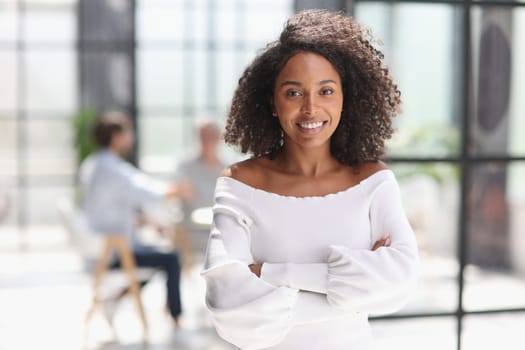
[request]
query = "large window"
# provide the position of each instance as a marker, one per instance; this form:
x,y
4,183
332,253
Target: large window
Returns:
x,y
459,156
459,152
38,96
190,55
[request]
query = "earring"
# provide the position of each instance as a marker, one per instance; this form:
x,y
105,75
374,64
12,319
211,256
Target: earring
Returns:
x,y
274,114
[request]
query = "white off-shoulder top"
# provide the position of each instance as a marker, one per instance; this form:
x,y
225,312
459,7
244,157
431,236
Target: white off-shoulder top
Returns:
x,y
320,279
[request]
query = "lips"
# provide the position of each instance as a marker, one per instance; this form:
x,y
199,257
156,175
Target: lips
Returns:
x,y
310,125
311,128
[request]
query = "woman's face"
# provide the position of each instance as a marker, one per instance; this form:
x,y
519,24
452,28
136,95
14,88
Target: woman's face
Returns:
x,y
308,99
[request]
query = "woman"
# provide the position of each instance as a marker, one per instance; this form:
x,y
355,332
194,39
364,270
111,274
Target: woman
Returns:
x,y
309,236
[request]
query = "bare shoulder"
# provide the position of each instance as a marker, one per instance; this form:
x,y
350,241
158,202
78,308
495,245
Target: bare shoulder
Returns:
x,y
368,169
247,171
226,172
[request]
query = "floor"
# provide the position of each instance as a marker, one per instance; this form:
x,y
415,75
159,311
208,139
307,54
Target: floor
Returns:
x,y
44,296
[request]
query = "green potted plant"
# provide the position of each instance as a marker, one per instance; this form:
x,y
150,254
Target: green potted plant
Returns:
x,y
82,124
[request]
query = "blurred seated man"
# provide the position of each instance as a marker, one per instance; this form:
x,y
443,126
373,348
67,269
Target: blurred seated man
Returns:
x,y
201,171
114,191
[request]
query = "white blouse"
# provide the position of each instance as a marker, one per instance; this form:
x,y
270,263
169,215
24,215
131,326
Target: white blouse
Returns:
x,y
320,279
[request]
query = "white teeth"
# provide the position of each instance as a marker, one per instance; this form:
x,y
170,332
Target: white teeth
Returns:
x,y
311,125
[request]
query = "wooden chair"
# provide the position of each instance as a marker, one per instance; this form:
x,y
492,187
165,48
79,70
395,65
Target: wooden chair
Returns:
x,y
193,244
118,244
180,238
96,251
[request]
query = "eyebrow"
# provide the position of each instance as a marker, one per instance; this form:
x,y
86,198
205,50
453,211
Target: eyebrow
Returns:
x,y
296,83
291,82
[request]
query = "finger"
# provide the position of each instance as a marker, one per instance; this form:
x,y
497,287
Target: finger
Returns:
x,y
256,269
384,241
378,244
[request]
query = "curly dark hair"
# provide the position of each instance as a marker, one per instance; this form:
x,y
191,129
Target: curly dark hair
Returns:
x,y
370,96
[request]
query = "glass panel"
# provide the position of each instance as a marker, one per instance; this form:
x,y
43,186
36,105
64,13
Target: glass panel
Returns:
x,y
8,148
42,200
50,147
496,243
227,75
164,139
8,205
198,19
202,78
8,21
29,4
160,20
51,81
430,195
499,80
9,81
231,64
481,1
50,25
428,72
263,24
227,23
249,55
416,334
283,6
503,331
106,79
161,79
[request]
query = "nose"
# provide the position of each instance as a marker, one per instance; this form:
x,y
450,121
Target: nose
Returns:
x,y
309,106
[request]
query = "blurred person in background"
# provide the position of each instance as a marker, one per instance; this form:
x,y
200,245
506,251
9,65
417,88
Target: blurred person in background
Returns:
x,y
201,171
114,191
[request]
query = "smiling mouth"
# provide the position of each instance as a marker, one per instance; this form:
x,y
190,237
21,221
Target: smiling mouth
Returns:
x,y
311,125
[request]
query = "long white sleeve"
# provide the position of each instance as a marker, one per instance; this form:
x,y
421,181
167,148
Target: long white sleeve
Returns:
x,y
238,301
305,277
376,282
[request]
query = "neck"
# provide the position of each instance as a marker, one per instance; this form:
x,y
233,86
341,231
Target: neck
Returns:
x,y
311,162
114,150
210,158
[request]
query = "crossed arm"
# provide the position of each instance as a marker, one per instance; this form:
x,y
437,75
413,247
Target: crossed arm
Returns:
x,y
384,241
373,281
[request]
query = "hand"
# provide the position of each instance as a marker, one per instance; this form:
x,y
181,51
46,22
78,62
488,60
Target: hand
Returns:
x,y
384,241
256,269
182,190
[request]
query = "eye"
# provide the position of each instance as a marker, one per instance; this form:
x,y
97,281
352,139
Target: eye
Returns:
x,y
293,93
327,91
